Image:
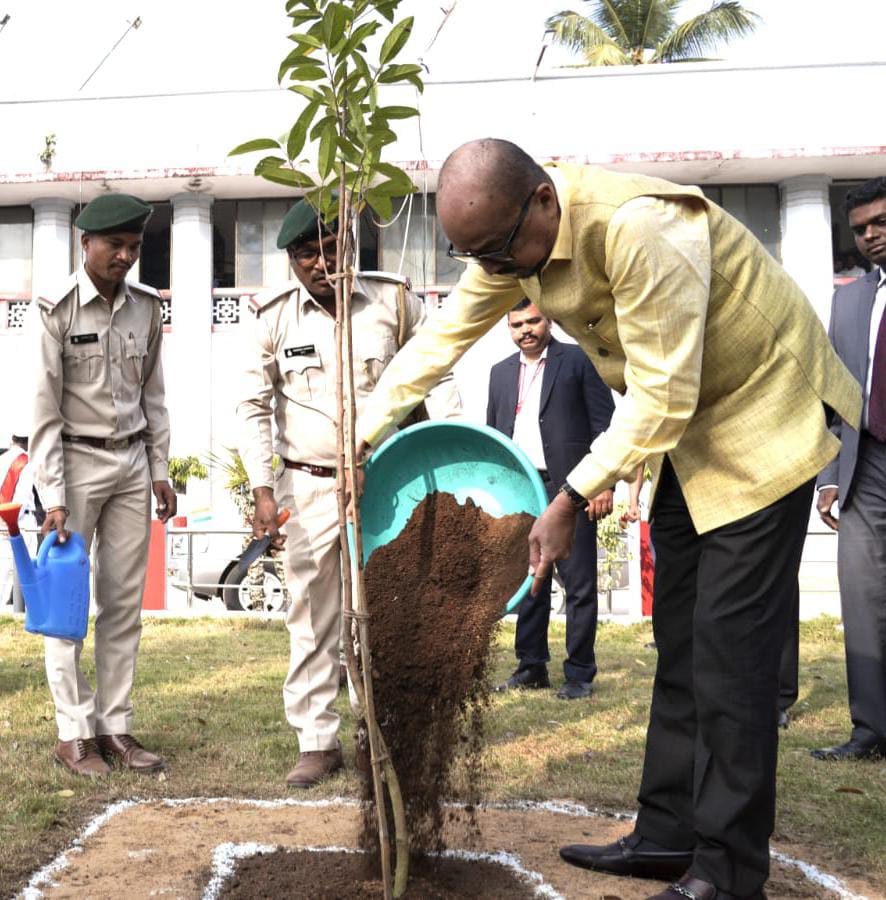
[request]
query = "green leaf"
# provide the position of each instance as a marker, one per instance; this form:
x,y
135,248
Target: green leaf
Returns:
x,y
326,153
320,124
303,15
380,203
396,39
295,58
274,169
306,37
305,91
298,134
307,73
361,66
258,144
386,8
310,4
396,112
390,74
360,34
335,20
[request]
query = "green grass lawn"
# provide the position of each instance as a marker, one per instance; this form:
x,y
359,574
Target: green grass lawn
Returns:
x,y
208,697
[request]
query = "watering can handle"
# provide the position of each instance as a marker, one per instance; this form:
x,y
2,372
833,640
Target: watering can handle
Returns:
x,y
46,545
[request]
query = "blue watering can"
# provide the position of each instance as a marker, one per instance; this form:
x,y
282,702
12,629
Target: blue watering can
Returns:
x,y
467,461
55,585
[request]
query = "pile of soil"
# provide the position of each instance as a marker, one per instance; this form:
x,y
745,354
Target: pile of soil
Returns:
x,y
352,876
435,595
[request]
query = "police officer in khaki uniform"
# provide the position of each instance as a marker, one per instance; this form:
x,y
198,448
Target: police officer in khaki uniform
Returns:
x,y
100,442
289,378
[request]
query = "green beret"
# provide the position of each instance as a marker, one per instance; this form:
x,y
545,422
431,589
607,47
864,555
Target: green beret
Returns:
x,y
300,224
114,212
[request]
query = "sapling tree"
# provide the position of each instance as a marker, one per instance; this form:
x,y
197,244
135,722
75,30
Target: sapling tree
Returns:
x,y
333,153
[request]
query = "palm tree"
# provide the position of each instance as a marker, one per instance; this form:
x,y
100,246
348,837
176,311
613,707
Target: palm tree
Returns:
x,y
632,32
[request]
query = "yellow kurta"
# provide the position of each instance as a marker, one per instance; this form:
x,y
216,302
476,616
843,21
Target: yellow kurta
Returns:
x,y
723,362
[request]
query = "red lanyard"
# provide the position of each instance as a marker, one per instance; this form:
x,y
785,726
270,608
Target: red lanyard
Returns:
x,y
523,390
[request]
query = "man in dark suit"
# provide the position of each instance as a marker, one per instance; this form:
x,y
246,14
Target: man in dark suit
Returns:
x,y
551,401
856,479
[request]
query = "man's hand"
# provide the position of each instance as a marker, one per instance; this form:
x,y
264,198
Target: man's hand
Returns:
x,y
361,453
265,519
827,497
600,506
167,502
550,539
55,521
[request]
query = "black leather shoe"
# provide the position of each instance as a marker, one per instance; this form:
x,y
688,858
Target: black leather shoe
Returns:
x,y
852,750
783,718
575,690
695,889
630,855
533,677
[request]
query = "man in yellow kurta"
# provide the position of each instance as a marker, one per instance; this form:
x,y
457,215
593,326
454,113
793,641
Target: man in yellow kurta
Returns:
x,y
728,380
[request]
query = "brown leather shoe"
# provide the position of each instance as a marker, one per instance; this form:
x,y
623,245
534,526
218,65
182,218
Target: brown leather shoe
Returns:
x,y
124,750
313,767
81,757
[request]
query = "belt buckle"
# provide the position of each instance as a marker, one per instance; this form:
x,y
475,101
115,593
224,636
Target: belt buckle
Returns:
x,y
120,444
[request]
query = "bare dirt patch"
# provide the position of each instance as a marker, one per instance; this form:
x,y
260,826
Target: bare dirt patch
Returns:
x,y
166,848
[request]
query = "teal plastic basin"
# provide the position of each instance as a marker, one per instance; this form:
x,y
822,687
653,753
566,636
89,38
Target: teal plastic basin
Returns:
x,y
467,461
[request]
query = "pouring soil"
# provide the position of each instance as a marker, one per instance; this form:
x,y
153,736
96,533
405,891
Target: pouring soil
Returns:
x,y
435,596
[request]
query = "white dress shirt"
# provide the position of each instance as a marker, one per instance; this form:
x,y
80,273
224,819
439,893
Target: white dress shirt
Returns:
x,y
527,433
876,316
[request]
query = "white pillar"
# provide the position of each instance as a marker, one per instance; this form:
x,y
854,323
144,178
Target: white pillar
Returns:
x,y
806,245
52,244
188,351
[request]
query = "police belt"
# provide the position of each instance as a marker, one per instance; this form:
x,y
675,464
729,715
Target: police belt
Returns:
x,y
102,443
317,471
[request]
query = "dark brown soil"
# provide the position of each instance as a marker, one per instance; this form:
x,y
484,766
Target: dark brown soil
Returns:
x,y
435,595
351,876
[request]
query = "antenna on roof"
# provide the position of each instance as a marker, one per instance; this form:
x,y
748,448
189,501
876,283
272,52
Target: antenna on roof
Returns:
x,y
134,24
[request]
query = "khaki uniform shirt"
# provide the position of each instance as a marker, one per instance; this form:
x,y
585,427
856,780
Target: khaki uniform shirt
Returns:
x,y
289,370
99,374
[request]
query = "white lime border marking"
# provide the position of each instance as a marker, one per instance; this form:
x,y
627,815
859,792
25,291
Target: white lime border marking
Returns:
x,y
45,877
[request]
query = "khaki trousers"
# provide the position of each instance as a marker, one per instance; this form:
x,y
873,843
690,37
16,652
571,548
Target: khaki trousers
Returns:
x,y
313,577
108,493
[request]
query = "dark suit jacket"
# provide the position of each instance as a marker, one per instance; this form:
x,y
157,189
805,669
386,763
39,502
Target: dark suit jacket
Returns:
x,y
575,405
850,334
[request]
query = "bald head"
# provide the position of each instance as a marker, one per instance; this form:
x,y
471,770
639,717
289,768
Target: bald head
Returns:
x,y
495,170
485,190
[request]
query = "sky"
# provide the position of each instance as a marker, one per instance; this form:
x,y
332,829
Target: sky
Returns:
x,y
48,49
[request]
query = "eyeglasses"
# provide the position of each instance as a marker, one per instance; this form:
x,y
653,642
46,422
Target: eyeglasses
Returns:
x,y
307,258
502,255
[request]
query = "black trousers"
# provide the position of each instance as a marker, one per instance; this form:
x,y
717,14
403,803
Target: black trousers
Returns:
x,y
861,567
579,574
722,607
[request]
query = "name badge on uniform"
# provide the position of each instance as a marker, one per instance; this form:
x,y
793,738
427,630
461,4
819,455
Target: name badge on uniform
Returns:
x,y
306,350
84,338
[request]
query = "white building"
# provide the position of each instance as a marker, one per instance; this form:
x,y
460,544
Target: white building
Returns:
x,y
775,145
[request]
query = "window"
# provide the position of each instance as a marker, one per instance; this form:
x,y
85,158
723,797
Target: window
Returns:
x,y
755,206
16,227
414,244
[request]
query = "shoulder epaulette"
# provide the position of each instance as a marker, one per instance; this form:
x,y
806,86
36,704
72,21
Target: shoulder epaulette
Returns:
x,y
390,277
50,301
144,289
262,300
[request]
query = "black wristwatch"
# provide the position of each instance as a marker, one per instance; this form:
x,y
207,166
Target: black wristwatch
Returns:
x,y
573,496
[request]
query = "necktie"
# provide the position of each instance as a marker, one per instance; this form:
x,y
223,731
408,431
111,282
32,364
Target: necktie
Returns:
x,y
877,400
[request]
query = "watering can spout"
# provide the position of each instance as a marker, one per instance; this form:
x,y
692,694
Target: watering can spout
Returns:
x,y
23,563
